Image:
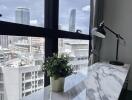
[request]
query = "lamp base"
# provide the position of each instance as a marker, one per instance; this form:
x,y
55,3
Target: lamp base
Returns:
x,y
116,63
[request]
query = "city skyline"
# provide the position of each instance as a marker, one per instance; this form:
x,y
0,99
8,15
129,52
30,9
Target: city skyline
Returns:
x,y
37,12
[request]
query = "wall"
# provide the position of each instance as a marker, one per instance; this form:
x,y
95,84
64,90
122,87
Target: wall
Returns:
x,y
118,16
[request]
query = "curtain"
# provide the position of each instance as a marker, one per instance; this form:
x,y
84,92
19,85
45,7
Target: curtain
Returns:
x,y
95,19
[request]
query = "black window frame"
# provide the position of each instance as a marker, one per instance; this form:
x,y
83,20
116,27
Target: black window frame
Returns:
x,y
50,32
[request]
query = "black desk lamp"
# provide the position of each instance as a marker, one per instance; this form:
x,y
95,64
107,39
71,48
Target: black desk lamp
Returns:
x,y
100,32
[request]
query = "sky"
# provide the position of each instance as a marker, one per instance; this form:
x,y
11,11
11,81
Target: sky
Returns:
x,y
36,7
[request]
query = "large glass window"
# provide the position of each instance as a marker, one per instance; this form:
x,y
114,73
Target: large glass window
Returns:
x,y
21,57
74,15
30,12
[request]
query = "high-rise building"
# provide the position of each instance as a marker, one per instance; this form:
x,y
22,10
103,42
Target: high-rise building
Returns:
x,y
72,20
22,16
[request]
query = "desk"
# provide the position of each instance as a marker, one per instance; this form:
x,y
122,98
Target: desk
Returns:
x,y
101,81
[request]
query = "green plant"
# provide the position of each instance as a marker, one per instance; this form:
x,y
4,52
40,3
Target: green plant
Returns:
x,y
57,66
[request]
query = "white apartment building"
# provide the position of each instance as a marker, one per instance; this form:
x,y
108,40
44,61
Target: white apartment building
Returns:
x,y
19,80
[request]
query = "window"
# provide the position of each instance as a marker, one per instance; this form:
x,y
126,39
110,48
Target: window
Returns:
x,y
23,11
27,75
21,52
28,85
74,15
24,46
40,74
40,83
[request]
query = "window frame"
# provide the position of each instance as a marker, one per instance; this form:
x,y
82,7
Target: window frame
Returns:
x,y
50,31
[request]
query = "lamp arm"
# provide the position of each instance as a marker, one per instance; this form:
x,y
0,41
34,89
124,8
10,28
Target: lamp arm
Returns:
x,y
116,34
118,39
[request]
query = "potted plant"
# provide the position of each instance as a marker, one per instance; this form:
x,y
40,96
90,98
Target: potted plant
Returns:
x,y
57,69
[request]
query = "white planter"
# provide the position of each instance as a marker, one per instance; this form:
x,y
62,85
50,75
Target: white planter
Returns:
x,y
58,84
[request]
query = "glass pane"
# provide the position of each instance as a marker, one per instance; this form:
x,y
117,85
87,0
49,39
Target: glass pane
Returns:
x,y
20,71
74,15
30,12
78,52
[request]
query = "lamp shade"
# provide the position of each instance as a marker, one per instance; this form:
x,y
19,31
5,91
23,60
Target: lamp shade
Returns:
x,y
99,32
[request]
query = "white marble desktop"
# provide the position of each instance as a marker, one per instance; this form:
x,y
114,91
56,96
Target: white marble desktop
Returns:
x,y
100,81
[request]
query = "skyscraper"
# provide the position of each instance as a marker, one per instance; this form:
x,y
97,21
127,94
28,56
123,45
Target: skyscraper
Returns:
x,y
72,20
22,16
